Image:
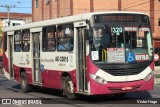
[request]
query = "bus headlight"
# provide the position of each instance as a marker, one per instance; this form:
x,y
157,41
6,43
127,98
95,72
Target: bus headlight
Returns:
x,y
98,79
148,76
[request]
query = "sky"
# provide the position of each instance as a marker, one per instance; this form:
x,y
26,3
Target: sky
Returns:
x,y
21,6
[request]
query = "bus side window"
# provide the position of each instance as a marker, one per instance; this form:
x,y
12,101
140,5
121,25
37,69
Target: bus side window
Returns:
x,y
60,32
25,40
49,40
17,41
65,38
5,41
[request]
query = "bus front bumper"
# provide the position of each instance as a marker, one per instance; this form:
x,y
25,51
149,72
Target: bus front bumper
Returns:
x,y
120,87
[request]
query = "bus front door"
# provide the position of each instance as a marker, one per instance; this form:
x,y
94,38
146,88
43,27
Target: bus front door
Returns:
x,y
81,71
11,72
36,59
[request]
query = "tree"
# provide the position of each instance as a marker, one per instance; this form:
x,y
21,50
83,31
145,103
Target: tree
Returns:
x,y
0,44
0,36
0,31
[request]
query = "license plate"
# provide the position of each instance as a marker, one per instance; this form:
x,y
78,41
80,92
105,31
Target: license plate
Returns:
x,y
127,88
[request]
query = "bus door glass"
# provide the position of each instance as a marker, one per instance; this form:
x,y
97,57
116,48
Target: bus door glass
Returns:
x,y
11,56
36,57
82,60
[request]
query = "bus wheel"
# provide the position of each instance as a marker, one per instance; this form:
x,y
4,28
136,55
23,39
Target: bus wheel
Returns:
x,y
69,88
24,83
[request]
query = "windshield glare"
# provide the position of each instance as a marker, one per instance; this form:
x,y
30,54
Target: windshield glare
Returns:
x,y
121,44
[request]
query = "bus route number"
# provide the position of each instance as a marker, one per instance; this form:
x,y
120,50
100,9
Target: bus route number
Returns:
x,y
117,30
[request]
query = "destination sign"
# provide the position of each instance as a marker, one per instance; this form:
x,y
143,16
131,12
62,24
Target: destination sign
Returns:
x,y
106,18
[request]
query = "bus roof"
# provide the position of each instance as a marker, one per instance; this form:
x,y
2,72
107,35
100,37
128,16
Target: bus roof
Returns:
x,y
62,20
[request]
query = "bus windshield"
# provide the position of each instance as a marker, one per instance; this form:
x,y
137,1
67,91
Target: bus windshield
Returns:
x,y
121,44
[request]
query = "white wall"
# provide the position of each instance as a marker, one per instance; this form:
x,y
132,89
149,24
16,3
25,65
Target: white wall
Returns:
x,y
12,22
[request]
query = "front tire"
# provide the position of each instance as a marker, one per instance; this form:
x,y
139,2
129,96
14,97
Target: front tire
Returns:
x,y
25,87
69,88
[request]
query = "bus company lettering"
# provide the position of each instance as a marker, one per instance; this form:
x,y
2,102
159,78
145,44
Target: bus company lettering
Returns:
x,y
61,58
140,57
47,60
136,28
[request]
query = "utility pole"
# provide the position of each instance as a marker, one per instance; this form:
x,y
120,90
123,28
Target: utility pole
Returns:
x,y
8,12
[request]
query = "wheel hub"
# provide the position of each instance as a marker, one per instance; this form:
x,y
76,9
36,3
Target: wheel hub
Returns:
x,y
70,87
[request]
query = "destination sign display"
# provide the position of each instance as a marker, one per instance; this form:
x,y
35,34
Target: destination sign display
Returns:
x,y
106,18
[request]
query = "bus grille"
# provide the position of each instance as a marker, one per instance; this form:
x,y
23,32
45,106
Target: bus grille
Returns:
x,y
119,89
125,69
123,72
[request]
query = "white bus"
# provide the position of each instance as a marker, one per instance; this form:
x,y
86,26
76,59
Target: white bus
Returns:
x,y
92,53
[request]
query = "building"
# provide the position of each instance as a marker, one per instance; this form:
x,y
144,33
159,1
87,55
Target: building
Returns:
x,y
14,19
49,9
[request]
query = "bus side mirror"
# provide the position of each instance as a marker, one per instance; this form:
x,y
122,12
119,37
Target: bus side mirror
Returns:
x,y
89,34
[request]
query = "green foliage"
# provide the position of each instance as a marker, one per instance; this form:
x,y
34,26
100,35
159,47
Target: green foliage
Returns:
x,y
157,76
0,30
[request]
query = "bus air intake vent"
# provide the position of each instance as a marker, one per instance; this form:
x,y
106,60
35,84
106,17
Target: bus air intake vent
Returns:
x,y
125,69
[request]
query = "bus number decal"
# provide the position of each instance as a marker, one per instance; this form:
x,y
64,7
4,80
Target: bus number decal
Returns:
x,y
117,30
61,58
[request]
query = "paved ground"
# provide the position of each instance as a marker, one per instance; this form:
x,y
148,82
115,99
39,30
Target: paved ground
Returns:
x,y
157,72
11,89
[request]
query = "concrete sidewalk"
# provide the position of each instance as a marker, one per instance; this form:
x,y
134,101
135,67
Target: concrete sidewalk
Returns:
x,y
157,70
157,73
1,72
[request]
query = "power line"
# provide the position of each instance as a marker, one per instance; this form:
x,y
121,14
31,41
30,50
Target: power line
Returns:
x,y
8,11
18,1
23,7
136,5
16,7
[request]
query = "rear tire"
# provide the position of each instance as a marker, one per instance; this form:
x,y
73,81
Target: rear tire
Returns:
x,y
69,88
25,87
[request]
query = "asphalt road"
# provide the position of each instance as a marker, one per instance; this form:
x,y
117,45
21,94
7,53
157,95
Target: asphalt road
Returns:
x,y
11,89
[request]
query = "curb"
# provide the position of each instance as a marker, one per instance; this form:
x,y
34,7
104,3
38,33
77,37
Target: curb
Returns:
x,y
157,81
1,73
156,75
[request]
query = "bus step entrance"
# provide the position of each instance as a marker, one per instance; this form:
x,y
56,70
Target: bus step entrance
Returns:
x,y
37,83
84,93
